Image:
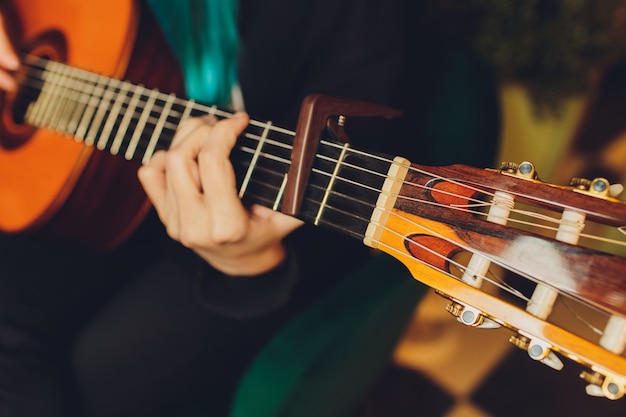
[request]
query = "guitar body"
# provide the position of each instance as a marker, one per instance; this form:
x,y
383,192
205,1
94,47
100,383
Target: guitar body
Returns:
x,y
49,183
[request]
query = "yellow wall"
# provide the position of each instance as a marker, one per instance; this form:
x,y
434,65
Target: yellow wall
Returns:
x,y
542,141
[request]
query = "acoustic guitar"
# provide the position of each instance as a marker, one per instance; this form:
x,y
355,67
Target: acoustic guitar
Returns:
x,y
505,248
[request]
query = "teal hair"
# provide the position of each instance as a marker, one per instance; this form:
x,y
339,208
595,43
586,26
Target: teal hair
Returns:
x,y
203,35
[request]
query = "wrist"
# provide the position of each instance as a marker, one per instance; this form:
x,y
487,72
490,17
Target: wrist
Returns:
x,y
250,265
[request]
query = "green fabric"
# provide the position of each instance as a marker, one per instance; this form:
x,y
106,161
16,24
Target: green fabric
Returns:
x,y
206,49
321,363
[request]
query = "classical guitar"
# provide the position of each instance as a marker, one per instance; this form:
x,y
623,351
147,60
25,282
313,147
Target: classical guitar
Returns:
x,y
506,249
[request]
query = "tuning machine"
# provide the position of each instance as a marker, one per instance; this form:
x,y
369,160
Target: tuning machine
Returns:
x,y
523,169
598,187
470,316
604,384
538,350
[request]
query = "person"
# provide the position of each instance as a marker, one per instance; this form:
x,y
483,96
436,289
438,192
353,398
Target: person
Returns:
x,y
181,308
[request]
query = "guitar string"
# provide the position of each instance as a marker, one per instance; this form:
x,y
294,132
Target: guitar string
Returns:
x,y
426,202
532,215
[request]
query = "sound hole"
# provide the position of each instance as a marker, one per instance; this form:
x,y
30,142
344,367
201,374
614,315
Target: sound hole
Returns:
x,y
14,130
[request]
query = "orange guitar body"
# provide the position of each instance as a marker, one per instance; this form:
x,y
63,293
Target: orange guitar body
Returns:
x,y
49,183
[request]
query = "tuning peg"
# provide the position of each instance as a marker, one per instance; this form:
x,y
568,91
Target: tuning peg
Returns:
x,y
594,390
598,187
470,316
604,385
524,169
615,190
538,350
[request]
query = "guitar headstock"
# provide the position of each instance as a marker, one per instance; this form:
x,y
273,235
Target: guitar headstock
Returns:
x,y
508,250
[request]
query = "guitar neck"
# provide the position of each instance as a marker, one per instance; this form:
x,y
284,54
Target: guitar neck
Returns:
x,y
134,122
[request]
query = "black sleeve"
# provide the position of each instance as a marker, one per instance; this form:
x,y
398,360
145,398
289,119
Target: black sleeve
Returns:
x,y
244,297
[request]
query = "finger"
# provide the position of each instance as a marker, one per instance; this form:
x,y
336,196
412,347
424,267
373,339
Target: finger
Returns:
x,y
281,223
8,60
152,179
218,180
189,126
183,152
7,82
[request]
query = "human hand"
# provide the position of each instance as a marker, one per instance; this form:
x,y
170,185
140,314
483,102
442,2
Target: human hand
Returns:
x,y
8,60
193,189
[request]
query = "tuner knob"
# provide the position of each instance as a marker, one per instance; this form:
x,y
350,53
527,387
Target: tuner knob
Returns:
x,y
599,187
524,169
470,316
615,190
538,350
527,170
604,385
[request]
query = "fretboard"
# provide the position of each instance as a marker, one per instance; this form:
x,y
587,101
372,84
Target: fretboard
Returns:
x,y
134,122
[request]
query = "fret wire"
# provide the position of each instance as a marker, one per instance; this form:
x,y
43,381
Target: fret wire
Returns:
x,y
32,110
71,102
331,183
254,160
112,116
129,111
279,195
69,114
51,100
212,111
186,113
100,112
91,105
35,109
143,119
156,134
92,90
62,100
